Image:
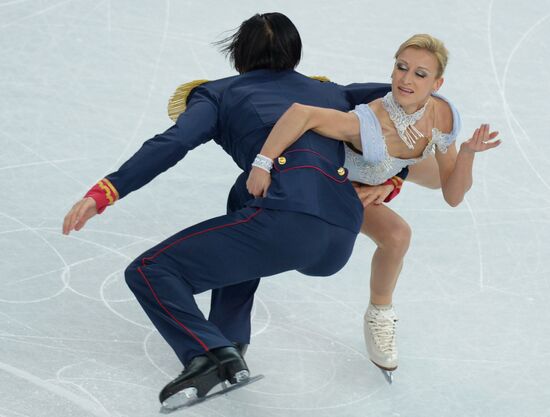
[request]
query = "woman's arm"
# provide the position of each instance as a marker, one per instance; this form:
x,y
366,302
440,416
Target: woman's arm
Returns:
x,y
425,173
455,169
300,118
297,120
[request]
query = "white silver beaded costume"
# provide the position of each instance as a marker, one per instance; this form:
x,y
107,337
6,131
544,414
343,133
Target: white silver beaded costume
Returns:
x,y
376,165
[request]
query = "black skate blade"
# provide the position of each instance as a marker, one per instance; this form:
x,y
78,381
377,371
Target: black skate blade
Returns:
x,y
190,402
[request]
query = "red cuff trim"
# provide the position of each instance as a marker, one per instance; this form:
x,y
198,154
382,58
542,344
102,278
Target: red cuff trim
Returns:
x,y
110,191
104,194
397,182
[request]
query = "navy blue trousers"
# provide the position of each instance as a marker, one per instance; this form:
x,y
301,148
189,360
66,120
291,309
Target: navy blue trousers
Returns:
x,y
231,310
231,307
225,252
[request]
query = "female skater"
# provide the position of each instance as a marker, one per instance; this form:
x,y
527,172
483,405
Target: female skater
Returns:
x,y
404,128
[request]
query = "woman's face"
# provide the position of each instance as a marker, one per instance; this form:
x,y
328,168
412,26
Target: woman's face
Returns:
x,y
414,78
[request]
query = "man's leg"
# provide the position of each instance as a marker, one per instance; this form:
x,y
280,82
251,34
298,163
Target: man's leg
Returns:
x,y
225,251
230,307
230,310
221,252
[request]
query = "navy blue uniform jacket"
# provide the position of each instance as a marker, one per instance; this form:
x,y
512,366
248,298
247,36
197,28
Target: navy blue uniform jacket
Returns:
x,y
238,113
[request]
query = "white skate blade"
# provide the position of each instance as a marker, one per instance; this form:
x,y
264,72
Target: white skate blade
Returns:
x,y
388,375
184,400
180,399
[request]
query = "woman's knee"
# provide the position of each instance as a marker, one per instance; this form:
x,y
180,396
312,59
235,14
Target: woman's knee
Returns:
x,y
398,238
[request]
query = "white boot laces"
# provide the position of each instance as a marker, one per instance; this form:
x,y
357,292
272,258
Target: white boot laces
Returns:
x,y
382,325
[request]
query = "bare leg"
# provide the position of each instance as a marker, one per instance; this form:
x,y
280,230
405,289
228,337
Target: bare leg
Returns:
x,y
425,173
392,235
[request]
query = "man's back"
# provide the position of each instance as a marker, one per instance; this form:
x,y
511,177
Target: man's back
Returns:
x,y
251,104
309,178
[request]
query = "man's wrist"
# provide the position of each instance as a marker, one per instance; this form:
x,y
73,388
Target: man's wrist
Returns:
x,y
397,182
104,194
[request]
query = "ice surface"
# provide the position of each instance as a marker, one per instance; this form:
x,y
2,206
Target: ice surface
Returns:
x,y
83,83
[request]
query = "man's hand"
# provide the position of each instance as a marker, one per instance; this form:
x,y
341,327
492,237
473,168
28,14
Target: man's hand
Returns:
x,y
77,217
372,194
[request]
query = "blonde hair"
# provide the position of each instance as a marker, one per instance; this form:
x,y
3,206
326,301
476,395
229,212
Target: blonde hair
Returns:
x,y
430,44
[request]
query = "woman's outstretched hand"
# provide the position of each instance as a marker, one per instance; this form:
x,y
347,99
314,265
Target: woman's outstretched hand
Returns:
x,y
258,182
481,140
77,217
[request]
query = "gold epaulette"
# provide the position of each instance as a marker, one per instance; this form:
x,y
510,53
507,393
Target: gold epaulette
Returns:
x,y
178,102
321,78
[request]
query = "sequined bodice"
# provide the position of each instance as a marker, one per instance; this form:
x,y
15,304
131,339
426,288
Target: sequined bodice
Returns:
x,y
376,165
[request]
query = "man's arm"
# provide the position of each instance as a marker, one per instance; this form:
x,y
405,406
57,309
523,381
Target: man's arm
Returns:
x,y
363,93
197,125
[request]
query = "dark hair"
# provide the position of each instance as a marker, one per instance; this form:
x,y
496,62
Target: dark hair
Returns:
x,y
265,41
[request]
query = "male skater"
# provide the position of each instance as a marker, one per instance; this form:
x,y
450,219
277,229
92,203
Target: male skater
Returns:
x,y
308,221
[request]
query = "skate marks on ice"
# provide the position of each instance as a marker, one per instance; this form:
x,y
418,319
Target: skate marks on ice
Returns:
x,y
188,397
82,403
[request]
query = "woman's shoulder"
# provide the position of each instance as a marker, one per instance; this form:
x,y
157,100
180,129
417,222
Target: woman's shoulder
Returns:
x,y
448,122
444,115
373,109
447,116
376,105
369,114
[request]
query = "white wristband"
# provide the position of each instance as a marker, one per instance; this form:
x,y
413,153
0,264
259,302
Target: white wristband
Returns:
x,y
263,162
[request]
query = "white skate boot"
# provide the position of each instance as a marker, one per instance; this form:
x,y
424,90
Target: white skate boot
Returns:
x,y
379,330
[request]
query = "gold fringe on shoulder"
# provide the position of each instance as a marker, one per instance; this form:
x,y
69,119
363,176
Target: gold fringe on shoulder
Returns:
x,y
178,102
321,78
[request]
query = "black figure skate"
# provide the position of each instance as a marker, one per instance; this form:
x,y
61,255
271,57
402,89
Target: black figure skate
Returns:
x,y
203,373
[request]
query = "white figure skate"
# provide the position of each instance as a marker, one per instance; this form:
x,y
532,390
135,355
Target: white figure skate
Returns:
x,y
379,330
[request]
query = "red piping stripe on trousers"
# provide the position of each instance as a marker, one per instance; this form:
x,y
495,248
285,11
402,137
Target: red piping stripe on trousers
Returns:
x,y
191,333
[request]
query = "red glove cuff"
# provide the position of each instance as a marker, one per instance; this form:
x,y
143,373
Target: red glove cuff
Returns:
x,y
397,182
104,194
